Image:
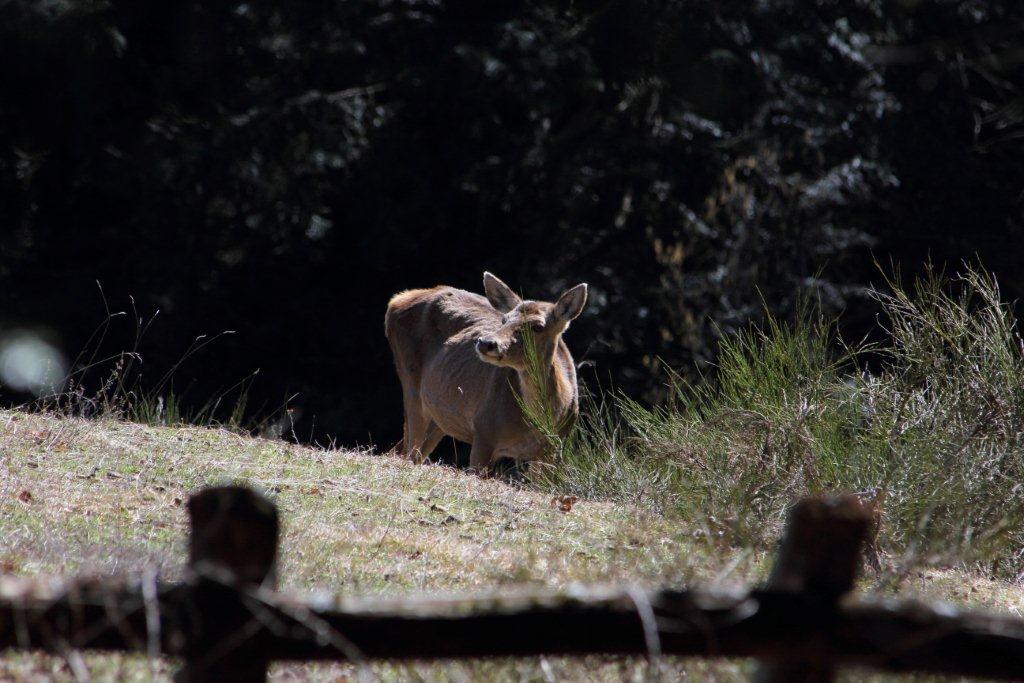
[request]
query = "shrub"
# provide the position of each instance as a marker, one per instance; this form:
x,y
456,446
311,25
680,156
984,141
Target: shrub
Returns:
x,y
930,420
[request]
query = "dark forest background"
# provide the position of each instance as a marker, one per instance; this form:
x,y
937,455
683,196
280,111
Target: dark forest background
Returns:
x,y
280,169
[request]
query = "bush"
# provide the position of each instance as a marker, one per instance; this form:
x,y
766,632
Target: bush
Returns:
x,y
929,420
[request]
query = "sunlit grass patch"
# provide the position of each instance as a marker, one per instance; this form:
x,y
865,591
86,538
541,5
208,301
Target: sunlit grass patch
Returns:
x,y
112,500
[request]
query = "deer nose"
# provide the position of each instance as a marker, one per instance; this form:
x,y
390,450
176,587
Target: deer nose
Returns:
x,y
486,345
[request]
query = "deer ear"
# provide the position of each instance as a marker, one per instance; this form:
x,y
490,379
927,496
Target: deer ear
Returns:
x,y
571,303
499,294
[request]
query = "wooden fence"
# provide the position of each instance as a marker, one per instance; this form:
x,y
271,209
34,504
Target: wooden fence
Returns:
x,y
226,622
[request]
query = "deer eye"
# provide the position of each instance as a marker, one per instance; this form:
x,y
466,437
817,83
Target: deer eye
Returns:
x,y
537,328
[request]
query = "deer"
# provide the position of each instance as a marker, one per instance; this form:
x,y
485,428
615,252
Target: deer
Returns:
x,y
465,371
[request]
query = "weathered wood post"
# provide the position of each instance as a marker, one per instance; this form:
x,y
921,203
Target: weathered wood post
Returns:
x,y
232,550
819,555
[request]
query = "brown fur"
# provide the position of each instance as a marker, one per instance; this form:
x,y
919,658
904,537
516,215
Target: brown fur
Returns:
x,y
461,364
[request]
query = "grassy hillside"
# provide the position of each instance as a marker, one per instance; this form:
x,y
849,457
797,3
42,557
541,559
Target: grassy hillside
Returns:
x,y
692,491
106,496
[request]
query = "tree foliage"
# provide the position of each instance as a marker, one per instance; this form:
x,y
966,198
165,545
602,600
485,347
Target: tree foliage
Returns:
x,y
281,169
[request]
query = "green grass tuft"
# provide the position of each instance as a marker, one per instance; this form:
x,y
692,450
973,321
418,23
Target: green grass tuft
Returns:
x,y
932,424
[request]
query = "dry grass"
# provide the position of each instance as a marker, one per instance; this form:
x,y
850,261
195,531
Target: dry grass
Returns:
x,y
106,496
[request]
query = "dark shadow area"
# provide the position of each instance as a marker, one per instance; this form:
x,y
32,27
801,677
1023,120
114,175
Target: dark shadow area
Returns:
x,y
281,170
452,453
510,471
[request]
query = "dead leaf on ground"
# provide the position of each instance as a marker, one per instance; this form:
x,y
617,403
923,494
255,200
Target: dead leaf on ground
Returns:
x,y
564,503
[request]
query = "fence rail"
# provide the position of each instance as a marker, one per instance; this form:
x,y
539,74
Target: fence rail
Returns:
x,y
226,621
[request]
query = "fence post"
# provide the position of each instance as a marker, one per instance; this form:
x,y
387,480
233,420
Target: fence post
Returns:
x,y
819,555
232,548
